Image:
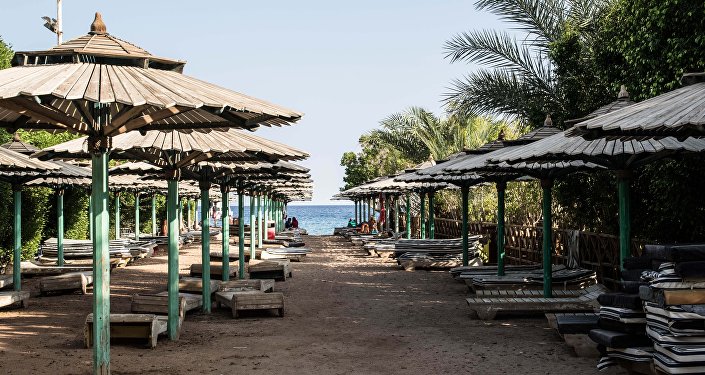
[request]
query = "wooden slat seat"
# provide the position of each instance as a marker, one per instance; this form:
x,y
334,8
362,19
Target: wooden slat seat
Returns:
x,y
263,285
129,326
526,293
195,285
70,282
251,300
196,269
270,269
487,307
10,297
6,281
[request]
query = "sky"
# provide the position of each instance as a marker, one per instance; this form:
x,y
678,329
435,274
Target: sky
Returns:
x,y
345,64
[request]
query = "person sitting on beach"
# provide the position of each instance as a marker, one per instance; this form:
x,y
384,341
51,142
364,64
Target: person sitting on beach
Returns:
x,y
287,224
364,227
373,224
352,223
294,223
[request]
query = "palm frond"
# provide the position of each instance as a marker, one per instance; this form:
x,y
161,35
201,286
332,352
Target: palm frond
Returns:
x,y
542,20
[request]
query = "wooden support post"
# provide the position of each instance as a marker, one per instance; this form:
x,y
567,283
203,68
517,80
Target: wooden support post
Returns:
x,y
17,238
408,216
188,213
205,246
90,216
117,215
259,221
154,214
355,202
60,227
101,262
180,213
431,216
501,187
396,214
423,215
386,212
241,234
137,216
624,178
464,191
265,215
253,251
546,185
173,258
225,191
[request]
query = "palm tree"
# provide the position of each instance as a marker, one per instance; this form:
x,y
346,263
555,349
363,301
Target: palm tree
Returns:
x,y
519,80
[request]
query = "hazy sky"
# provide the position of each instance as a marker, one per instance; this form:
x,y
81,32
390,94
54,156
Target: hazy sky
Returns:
x,y
345,64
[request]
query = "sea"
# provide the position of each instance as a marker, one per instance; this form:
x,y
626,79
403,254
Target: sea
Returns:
x,y
316,219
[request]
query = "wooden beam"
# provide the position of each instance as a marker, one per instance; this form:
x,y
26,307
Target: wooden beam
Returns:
x,y
143,120
127,114
41,112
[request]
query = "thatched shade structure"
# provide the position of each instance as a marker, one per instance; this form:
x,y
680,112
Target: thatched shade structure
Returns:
x,y
101,86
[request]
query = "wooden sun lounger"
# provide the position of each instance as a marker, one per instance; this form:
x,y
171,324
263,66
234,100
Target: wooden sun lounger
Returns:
x,y
216,270
487,308
158,304
582,344
130,326
262,285
10,297
250,300
270,269
69,282
6,281
194,285
527,293
31,269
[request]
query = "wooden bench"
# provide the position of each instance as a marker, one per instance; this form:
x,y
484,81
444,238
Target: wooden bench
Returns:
x,y
69,282
129,326
6,281
579,340
527,293
195,285
10,297
31,269
250,300
262,285
487,308
270,269
216,270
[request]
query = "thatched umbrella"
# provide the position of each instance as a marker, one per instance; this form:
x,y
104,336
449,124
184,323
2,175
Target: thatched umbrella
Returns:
x,y
101,86
622,156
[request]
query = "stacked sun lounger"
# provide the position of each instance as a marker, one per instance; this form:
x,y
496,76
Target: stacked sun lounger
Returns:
x,y
83,249
471,271
295,254
675,307
563,278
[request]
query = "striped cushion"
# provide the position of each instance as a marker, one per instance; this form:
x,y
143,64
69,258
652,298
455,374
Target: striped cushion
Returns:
x,y
670,366
679,353
623,315
664,337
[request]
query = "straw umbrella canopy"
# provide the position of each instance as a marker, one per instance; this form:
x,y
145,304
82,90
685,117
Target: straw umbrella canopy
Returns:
x,y
622,156
102,86
174,152
678,113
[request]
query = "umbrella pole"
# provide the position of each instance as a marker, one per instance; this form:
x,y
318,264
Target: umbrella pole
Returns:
x,y
408,216
137,216
224,190
501,187
90,216
173,258
253,251
464,191
423,216
623,180
265,216
205,248
60,227
101,262
154,214
396,214
17,238
431,216
188,213
117,215
546,185
241,234
259,221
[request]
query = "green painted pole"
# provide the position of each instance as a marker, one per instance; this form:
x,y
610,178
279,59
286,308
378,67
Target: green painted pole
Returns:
x,y
154,214
431,216
623,180
173,258
117,215
137,216
386,212
17,238
60,227
546,185
465,191
180,212
423,215
253,251
265,215
501,187
355,202
205,247
225,190
101,262
396,214
408,216
188,213
259,221
241,235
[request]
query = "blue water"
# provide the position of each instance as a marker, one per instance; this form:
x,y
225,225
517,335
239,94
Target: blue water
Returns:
x,y
316,219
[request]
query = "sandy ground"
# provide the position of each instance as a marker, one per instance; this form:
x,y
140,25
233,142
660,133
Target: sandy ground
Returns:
x,y
345,314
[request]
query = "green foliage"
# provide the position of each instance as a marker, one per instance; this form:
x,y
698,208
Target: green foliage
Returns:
x,y
6,54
